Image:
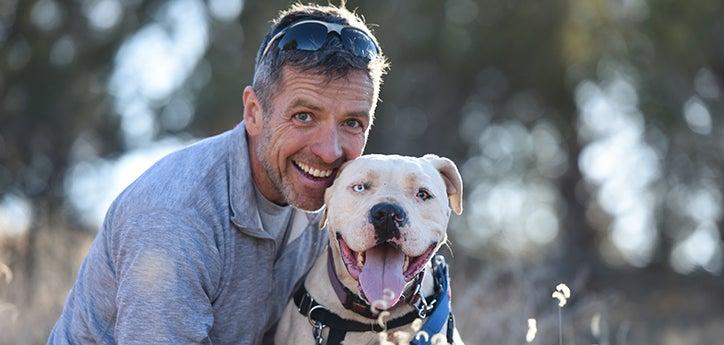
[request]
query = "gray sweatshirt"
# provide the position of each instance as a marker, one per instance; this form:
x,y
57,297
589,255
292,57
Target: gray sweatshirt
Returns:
x,y
182,257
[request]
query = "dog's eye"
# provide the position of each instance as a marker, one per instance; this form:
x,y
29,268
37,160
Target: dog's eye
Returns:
x,y
424,194
359,188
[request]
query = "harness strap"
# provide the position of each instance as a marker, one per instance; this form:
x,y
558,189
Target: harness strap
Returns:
x,y
442,312
450,328
336,336
305,303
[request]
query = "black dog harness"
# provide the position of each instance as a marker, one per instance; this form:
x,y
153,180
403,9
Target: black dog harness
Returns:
x,y
434,311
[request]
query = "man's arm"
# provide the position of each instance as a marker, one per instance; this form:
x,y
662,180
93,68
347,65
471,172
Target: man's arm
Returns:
x,y
168,271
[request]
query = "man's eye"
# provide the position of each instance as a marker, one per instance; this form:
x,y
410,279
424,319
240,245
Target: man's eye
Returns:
x,y
353,123
303,117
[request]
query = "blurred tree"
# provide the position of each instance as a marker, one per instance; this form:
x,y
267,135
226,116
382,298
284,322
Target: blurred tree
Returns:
x,y
519,62
52,90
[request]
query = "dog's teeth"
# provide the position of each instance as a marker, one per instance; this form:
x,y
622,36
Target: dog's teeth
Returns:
x,y
360,259
406,264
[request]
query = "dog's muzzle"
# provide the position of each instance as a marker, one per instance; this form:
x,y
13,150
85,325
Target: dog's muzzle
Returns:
x,y
387,219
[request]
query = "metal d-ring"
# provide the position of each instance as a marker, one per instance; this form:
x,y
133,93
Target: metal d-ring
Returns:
x,y
309,315
317,326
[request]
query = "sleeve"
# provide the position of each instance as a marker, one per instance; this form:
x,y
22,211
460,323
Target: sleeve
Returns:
x,y
167,271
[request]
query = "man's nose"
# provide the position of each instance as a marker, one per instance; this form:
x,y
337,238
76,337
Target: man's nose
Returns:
x,y
328,145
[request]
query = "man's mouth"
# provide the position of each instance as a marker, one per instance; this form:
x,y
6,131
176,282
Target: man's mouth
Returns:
x,y
383,270
312,172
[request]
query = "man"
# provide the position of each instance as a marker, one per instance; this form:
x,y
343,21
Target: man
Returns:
x,y
208,244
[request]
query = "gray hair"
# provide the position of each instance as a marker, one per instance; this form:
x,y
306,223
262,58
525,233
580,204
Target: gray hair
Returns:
x,y
332,60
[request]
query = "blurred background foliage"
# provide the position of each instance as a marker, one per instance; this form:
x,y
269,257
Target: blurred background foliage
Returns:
x,y
589,134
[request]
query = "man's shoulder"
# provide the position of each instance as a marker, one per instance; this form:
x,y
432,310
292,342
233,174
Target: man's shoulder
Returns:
x,y
183,180
190,161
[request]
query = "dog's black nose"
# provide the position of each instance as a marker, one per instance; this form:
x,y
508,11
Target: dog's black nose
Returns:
x,y
387,219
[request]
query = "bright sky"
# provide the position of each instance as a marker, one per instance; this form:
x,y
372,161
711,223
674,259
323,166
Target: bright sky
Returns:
x,y
149,67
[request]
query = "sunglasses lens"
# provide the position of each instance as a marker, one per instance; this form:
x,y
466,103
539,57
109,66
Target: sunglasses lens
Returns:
x,y
307,36
359,43
312,36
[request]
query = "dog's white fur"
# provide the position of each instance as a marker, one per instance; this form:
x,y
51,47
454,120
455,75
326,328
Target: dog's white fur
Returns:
x,y
391,179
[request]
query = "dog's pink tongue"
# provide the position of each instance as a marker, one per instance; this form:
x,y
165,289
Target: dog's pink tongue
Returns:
x,y
383,270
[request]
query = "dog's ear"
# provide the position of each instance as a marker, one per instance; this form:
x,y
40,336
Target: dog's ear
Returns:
x,y
327,195
453,181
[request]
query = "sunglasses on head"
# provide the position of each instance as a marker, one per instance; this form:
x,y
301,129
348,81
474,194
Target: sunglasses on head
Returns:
x,y
311,35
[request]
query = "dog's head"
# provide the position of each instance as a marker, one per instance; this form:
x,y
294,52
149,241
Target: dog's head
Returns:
x,y
386,217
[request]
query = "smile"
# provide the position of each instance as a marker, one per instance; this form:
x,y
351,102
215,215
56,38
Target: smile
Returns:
x,y
314,172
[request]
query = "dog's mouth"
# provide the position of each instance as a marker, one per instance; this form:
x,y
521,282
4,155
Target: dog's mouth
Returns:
x,y
383,270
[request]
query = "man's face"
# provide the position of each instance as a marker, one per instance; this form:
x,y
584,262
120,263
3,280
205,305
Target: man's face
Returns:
x,y
313,127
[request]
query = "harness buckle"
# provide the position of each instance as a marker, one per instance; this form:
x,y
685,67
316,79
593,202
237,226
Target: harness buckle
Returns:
x,y
306,299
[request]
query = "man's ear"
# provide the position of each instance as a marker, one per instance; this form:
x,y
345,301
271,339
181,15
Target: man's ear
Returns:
x,y
328,196
453,181
252,112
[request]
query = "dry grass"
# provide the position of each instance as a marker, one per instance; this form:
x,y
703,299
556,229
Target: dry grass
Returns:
x,y
492,304
38,299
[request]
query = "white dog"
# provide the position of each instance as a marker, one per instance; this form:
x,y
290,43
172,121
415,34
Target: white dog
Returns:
x,y
386,217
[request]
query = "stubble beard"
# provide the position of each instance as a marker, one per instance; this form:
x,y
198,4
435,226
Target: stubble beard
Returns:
x,y
280,183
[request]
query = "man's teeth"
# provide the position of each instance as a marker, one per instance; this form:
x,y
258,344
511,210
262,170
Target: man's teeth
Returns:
x,y
360,259
406,264
312,171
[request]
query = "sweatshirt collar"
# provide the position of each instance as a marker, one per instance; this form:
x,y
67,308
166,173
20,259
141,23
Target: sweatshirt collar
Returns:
x,y
242,200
